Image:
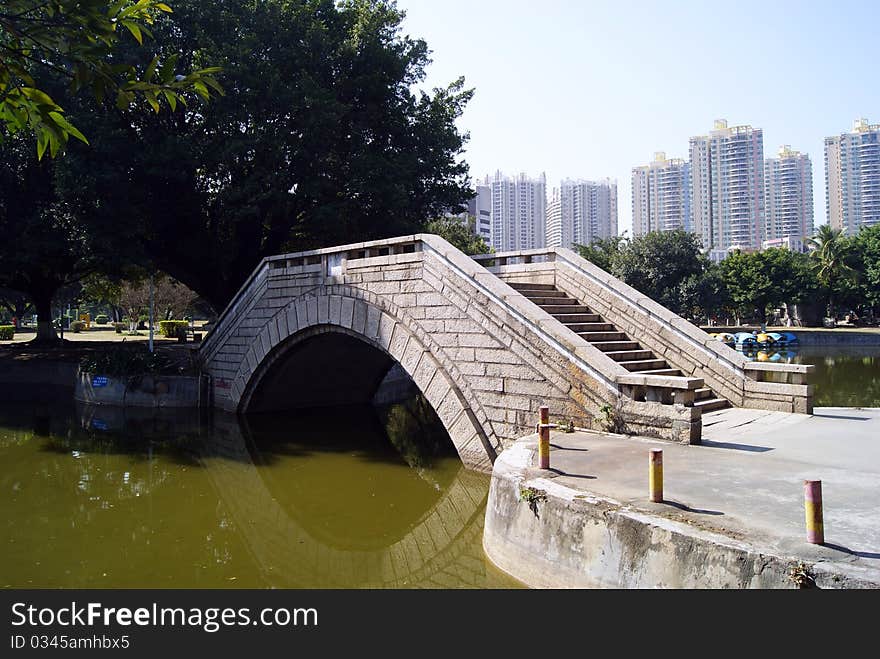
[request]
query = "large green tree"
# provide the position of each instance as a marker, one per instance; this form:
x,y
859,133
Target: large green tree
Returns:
x,y
658,263
759,281
832,255
866,259
43,249
319,140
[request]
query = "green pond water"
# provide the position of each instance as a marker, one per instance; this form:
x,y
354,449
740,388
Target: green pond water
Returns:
x,y
844,376
94,498
336,498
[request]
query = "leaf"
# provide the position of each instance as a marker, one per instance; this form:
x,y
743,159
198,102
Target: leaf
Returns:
x,y
68,127
123,99
167,70
151,99
42,143
171,97
135,30
202,90
38,96
151,69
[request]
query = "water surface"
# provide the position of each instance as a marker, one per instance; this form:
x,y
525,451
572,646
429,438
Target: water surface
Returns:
x,y
95,498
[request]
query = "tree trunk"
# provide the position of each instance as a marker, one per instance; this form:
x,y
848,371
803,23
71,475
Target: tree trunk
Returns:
x,y
45,328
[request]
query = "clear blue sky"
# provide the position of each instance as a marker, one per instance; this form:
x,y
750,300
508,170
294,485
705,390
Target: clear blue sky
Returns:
x,y
591,88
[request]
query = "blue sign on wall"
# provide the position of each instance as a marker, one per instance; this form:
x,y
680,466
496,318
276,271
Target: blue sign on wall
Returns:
x,y
100,380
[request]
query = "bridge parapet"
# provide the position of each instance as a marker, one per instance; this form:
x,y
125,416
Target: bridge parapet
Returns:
x,y
779,387
485,356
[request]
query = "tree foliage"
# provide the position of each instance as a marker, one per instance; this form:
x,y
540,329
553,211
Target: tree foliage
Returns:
x,y
603,252
459,234
319,140
77,40
658,263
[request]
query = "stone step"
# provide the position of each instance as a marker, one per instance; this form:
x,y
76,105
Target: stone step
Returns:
x,y
609,346
565,309
662,371
604,337
703,393
520,285
591,327
709,404
566,318
555,301
629,355
539,292
642,365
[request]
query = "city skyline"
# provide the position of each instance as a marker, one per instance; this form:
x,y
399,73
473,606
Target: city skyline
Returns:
x,y
634,95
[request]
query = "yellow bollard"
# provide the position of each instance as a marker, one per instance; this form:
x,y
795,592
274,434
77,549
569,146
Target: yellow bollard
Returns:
x,y
544,438
655,475
813,510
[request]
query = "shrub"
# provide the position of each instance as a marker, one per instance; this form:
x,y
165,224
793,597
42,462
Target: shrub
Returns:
x,y
77,326
102,319
131,360
173,328
119,327
7,332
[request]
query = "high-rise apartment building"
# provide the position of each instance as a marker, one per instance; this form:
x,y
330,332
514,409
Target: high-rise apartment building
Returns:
x,y
852,177
788,196
581,212
554,221
727,187
519,211
661,195
480,207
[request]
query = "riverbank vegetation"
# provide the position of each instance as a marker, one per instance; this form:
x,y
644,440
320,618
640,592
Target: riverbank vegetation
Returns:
x,y
838,279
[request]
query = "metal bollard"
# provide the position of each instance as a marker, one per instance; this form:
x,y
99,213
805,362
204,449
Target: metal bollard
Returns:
x,y
655,475
813,510
544,438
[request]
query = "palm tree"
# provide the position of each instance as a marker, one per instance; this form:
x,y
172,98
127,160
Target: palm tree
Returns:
x,y
829,254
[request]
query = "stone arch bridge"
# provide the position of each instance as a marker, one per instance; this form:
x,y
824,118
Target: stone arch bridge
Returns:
x,y
487,340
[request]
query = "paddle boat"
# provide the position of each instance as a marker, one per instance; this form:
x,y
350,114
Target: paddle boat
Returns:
x,y
725,338
745,339
783,338
764,339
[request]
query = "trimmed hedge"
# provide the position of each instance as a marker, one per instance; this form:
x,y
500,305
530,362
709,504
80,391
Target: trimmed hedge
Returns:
x,y
77,326
7,332
119,327
102,319
173,328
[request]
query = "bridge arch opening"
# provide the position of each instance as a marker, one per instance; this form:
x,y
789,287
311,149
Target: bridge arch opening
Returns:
x,y
315,368
334,369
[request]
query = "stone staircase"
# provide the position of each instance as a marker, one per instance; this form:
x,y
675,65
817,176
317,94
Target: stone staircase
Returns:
x,y
609,339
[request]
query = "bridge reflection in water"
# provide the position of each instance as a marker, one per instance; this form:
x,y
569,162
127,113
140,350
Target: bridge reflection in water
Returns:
x,y
320,499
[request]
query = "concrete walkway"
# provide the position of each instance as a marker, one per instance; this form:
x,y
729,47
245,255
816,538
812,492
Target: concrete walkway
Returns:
x,y
746,480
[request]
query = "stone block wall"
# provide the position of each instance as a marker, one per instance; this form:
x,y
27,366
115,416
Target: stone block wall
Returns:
x,y
484,356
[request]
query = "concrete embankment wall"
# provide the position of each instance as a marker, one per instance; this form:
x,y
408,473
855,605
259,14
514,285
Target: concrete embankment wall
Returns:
x,y
551,536
841,338
34,379
143,391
